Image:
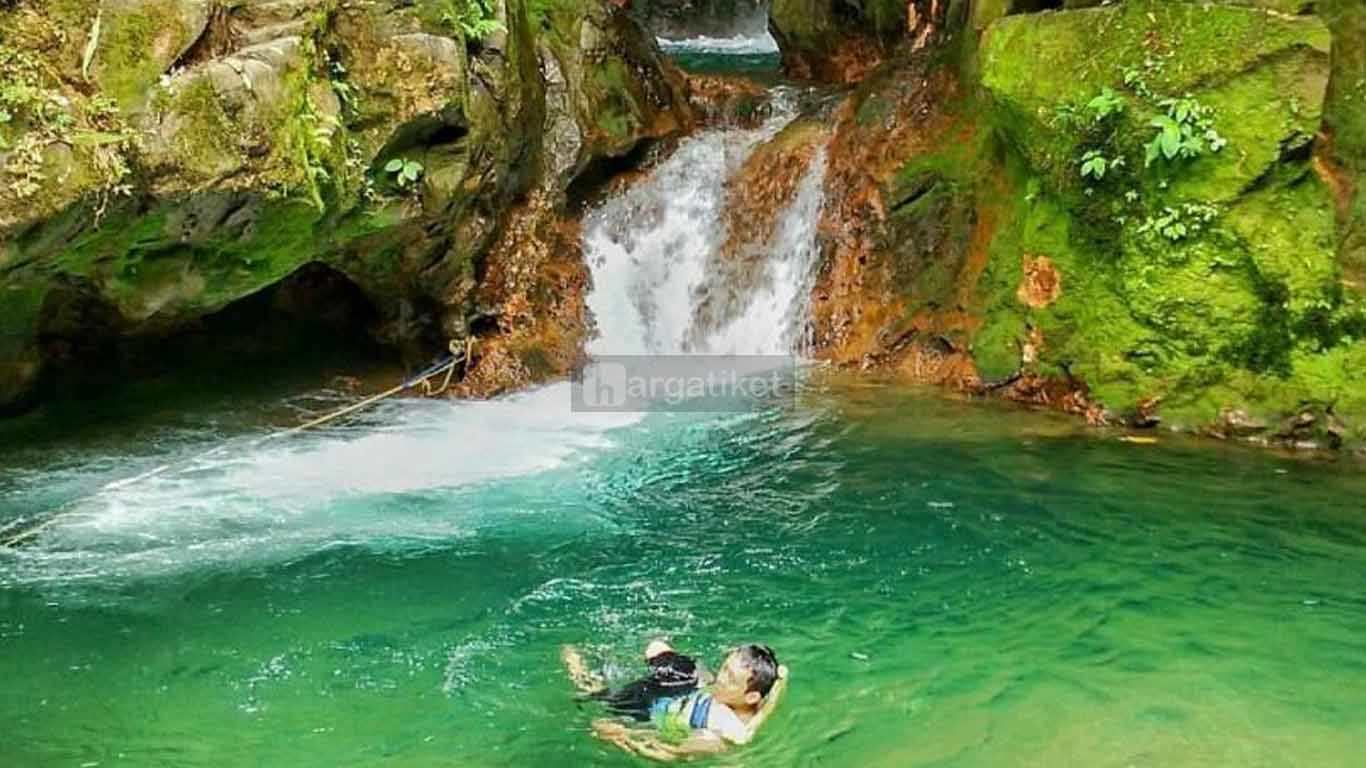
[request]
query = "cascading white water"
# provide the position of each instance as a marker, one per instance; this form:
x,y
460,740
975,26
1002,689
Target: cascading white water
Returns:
x,y
740,45
650,247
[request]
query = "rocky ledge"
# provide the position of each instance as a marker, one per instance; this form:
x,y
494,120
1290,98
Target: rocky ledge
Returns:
x,y
165,159
1144,212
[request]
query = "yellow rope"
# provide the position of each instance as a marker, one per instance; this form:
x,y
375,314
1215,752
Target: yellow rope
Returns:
x,y
448,369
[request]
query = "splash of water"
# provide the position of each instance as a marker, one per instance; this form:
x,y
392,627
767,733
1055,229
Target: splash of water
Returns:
x,y
392,477
650,248
739,45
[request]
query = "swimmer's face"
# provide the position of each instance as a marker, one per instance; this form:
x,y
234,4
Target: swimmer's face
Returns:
x,y
732,682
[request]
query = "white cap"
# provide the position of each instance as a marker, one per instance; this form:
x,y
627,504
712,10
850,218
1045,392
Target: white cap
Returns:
x,y
655,648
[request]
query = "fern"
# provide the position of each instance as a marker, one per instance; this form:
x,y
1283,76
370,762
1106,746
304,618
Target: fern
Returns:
x,y
473,19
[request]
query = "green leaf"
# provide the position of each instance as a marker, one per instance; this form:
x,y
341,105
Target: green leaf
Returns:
x,y
1171,144
394,166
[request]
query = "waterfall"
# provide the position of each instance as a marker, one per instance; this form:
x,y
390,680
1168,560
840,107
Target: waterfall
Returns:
x,y
392,474
760,43
649,249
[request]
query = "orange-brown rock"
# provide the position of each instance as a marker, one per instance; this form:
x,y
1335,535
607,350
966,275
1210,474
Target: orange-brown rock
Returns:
x,y
533,290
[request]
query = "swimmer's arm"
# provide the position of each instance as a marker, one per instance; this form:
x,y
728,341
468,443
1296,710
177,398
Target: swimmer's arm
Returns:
x,y
584,679
770,704
647,743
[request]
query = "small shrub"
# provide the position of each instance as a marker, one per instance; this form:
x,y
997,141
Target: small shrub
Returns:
x,y
404,172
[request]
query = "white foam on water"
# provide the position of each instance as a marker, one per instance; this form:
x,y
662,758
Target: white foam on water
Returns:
x,y
650,247
774,320
738,45
249,503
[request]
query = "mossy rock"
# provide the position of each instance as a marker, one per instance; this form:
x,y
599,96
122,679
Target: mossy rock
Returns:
x,y
1345,121
139,42
833,40
1265,75
620,87
20,360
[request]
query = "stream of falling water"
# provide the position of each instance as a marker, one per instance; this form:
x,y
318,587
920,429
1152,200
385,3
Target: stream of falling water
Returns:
x,y
951,584
249,505
650,248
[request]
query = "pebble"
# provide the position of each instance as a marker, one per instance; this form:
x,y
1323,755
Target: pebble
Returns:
x,y
856,656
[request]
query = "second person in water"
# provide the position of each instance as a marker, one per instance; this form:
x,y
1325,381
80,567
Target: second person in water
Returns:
x,y
691,712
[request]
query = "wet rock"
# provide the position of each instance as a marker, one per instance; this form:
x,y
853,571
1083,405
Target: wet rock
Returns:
x,y
679,19
1235,422
254,141
728,100
620,88
1042,285
837,41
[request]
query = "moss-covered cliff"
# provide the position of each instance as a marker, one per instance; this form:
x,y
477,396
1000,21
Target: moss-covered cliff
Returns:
x,y
1141,212
162,160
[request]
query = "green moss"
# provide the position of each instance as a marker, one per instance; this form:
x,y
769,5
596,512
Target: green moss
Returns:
x,y
206,138
19,305
1267,70
307,145
141,264
19,358
617,114
135,49
1287,232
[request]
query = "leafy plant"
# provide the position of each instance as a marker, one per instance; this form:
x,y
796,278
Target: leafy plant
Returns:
x,y
38,111
1095,165
1106,104
1176,224
1184,132
307,139
474,19
405,173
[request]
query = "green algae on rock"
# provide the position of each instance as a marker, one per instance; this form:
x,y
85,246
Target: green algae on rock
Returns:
x,y
249,142
1205,289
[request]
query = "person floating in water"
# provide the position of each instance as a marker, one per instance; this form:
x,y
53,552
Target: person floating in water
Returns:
x,y
689,719
672,676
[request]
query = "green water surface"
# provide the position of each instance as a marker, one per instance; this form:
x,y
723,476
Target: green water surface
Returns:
x,y
952,585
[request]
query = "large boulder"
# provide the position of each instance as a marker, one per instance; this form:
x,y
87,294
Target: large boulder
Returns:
x,y
992,241
256,138
836,40
1202,271
1345,121
692,18
843,41
608,77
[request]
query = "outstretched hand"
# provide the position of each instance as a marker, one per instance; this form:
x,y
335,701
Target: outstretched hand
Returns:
x,y
586,680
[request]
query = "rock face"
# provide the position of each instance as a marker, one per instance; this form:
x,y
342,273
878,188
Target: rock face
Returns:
x,y
843,40
1345,124
163,160
680,19
1140,212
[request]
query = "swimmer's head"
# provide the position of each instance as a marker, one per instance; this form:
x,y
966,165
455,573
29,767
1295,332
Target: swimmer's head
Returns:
x,y
657,648
747,675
